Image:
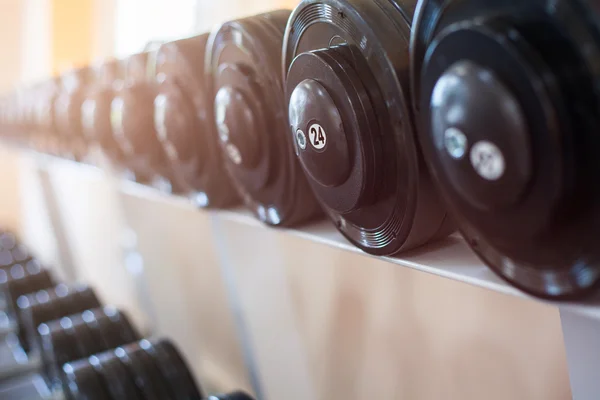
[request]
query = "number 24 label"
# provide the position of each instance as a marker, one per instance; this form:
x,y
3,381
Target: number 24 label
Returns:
x,y
317,136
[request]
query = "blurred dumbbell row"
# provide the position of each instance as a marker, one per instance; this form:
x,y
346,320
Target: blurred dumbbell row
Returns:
x,y
58,341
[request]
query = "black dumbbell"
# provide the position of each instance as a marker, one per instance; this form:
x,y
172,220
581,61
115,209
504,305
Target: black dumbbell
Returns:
x,y
21,279
183,124
47,305
145,370
82,335
508,109
347,88
246,103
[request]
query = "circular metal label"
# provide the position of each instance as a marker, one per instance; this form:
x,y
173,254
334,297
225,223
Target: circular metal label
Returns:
x,y
317,136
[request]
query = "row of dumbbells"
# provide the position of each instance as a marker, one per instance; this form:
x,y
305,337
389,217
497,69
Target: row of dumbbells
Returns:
x,y
61,343
402,121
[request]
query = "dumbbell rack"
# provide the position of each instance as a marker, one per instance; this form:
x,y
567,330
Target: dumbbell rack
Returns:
x,y
450,259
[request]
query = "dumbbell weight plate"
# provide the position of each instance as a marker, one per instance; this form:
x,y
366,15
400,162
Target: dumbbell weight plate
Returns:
x,y
84,298
132,119
246,91
58,348
34,309
510,133
67,111
117,379
86,341
174,369
19,280
59,301
183,124
347,79
83,382
115,327
148,383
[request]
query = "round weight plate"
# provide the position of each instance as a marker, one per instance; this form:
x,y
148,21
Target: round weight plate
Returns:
x,y
82,382
346,71
19,280
68,110
245,93
510,133
99,333
96,118
182,121
57,349
174,369
132,119
86,341
147,382
114,327
117,379
34,309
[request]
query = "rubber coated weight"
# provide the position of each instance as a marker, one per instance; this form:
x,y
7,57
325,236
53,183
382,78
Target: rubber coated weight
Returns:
x,y
84,339
75,337
34,309
20,280
132,118
67,110
345,64
59,301
173,368
116,378
114,327
83,382
135,350
182,123
249,120
507,101
96,120
58,348
145,381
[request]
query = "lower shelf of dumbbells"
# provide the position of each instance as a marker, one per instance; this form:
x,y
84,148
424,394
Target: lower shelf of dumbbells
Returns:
x,y
13,359
28,387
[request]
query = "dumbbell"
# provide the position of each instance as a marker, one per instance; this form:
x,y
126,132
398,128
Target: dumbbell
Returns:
x,y
508,111
34,309
81,335
143,370
146,370
68,339
132,119
20,279
183,124
67,111
50,304
96,111
346,70
246,103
